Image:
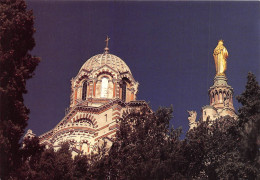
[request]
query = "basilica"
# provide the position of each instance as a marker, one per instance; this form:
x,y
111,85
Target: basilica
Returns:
x,y
104,88
101,91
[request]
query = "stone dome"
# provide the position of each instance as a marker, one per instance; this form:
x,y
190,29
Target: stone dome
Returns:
x,y
111,60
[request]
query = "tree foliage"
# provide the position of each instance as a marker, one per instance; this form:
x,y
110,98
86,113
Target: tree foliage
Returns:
x,y
40,164
249,115
46,167
16,66
147,147
31,154
228,148
81,167
216,146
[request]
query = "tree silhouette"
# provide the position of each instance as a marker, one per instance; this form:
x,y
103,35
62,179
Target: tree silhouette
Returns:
x,y
249,115
16,66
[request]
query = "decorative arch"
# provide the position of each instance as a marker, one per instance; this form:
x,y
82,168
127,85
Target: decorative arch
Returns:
x,y
128,77
85,117
81,77
105,72
84,120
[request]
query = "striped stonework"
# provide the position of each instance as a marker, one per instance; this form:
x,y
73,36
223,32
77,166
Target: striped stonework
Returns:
x,y
90,121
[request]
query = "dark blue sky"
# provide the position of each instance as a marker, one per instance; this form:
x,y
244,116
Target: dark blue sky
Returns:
x,y
167,45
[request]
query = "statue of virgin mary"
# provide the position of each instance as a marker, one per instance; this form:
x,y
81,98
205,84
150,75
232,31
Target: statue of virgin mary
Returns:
x,y
220,56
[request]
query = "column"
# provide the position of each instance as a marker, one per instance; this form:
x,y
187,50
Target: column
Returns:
x,y
114,89
75,94
94,88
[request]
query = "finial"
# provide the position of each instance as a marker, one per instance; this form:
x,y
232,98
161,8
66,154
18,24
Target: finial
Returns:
x,y
106,48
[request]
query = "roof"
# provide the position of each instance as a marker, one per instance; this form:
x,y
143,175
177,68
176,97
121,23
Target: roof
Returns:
x,y
111,60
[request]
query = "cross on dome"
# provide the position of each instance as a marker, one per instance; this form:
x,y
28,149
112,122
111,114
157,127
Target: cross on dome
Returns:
x,y
106,48
107,41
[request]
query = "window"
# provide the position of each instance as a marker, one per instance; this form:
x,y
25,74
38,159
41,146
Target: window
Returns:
x,y
104,87
124,91
84,90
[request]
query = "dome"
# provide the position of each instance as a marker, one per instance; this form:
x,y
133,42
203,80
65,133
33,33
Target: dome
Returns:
x,y
111,60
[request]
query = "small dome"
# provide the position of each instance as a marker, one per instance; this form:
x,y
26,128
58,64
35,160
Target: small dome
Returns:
x,y
111,60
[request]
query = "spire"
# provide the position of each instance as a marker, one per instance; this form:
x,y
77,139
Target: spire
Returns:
x,y
106,48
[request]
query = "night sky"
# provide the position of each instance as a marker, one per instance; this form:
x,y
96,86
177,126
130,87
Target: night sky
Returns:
x,y
167,45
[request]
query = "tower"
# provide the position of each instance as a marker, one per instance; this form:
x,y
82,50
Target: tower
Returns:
x,y
220,94
101,91
221,100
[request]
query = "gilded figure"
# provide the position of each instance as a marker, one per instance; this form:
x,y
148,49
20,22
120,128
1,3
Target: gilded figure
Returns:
x,y
220,56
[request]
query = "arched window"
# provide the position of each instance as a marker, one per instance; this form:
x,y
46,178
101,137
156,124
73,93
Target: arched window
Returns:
x,y
84,90
124,91
104,87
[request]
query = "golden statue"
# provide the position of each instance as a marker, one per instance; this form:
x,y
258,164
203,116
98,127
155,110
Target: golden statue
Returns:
x,y
220,56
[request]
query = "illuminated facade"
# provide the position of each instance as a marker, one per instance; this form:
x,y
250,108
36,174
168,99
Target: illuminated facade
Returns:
x,y
102,90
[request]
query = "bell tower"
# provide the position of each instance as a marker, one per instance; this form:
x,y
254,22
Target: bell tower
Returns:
x,y
220,94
